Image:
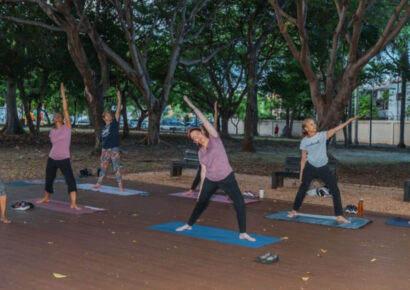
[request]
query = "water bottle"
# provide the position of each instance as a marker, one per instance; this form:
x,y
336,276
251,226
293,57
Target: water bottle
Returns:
x,y
360,207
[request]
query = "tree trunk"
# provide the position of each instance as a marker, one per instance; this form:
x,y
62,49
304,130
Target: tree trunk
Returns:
x,y
251,107
43,91
13,125
141,118
154,118
26,106
224,121
405,71
125,130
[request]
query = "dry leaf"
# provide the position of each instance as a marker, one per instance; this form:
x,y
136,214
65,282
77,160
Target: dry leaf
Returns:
x,y
372,260
323,251
284,238
305,278
58,275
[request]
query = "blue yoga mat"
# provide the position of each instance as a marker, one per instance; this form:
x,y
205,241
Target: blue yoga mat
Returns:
x,y
17,183
329,221
398,221
215,234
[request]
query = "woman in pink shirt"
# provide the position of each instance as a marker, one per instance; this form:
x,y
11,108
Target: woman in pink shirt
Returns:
x,y
59,156
215,172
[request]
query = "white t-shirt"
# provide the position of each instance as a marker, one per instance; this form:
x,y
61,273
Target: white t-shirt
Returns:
x,y
316,149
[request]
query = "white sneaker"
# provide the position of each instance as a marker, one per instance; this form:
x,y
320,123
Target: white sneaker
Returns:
x,y
185,227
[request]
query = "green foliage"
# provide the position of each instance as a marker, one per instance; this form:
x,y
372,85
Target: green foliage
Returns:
x,y
364,107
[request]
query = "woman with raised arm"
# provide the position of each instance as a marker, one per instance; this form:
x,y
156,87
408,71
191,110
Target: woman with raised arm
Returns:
x,y
110,136
3,202
215,172
314,164
59,156
197,178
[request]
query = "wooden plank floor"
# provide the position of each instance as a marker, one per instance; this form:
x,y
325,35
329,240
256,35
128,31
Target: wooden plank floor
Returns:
x,y
115,250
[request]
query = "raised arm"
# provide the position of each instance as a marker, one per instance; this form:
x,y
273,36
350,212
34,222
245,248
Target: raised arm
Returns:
x,y
118,111
65,107
216,115
211,130
333,131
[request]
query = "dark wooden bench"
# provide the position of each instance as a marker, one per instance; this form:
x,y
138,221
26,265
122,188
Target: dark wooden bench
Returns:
x,y
406,196
190,161
292,170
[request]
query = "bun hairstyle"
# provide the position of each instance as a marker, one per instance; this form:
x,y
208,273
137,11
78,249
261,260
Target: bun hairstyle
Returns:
x,y
304,124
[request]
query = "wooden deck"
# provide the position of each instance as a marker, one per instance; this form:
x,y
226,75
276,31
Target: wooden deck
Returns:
x,y
115,250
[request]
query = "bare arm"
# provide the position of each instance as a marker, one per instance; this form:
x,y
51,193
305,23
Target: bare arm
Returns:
x,y
118,111
65,107
203,174
302,164
216,116
211,130
333,131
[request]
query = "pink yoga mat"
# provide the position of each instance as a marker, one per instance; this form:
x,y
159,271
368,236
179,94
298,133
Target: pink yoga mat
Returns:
x,y
62,206
215,197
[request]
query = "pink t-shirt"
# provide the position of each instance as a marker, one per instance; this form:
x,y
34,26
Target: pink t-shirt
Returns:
x,y
215,160
60,140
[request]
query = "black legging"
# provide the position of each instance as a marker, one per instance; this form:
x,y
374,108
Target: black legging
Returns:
x,y
230,186
309,173
65,168
197,178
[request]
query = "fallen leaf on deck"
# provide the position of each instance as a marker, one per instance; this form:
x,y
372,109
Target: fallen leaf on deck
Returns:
x,y
372,260
284,238
305,278
50,243
58,275
323,251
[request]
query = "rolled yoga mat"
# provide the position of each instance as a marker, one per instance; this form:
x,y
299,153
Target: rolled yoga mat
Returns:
x,y
324,220
215,197
215,234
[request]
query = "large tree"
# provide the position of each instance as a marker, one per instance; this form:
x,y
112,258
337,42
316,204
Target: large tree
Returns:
x,y
361,30
72,19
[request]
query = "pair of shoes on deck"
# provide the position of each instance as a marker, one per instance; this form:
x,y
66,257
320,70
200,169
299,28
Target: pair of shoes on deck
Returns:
x,y
351,209
268,258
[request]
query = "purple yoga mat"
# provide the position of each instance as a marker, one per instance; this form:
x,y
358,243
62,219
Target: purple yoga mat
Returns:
x,y
215,197
62,206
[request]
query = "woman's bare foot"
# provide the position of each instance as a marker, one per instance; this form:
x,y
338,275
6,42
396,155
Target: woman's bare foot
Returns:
x,y
189,192
342,220
292,214
96,185
43,200
76,207
245,236
5,220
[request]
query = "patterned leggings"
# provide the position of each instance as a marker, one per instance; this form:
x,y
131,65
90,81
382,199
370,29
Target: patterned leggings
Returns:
x,y
106,155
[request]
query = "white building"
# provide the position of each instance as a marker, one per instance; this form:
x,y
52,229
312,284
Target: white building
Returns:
x,y
391,110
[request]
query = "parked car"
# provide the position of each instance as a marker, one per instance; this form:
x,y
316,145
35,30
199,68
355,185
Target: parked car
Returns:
x,y
195,123
133,123
172,125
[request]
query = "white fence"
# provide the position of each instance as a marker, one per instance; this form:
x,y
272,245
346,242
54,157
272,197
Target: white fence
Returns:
x,y
383,132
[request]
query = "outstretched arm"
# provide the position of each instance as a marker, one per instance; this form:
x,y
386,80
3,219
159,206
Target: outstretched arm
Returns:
x,y
216,115
333,131
211,130
118,111
65,107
